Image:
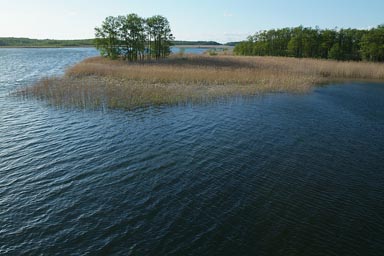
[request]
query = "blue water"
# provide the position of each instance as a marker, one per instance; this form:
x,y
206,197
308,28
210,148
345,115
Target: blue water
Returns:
x,y
190,50
270,175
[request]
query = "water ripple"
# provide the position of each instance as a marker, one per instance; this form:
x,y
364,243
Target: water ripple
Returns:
x,y
270,175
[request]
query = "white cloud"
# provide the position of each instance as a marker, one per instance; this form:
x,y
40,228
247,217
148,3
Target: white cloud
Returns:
x,y
228,14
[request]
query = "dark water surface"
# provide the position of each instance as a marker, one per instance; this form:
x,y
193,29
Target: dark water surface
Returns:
x,y
273,175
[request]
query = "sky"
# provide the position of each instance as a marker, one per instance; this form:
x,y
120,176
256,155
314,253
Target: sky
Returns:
x,y
213,20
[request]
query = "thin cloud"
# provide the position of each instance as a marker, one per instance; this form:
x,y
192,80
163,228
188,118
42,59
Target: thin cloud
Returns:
x,y
232,37
72,13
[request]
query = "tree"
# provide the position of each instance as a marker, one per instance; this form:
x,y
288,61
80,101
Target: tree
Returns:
x,y
134,38
107,40
131,33
328,38
310,43
372,44
335,53
295,45
159,30
245,48
300,42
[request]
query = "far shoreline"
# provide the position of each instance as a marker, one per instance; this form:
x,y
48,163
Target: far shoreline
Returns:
x,y
92,46
203,46
42,47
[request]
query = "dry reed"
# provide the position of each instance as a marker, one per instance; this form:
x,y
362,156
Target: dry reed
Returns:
x,y
99,82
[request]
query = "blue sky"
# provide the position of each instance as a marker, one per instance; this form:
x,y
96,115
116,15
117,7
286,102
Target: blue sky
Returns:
x,y
218,20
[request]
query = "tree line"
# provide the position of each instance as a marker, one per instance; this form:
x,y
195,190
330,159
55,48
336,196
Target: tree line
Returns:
x,y
306,42
27,42
134,38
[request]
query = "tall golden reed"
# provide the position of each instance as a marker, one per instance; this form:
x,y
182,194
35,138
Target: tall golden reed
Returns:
x,y
99,82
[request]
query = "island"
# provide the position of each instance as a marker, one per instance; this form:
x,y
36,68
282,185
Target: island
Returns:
x,y
136,67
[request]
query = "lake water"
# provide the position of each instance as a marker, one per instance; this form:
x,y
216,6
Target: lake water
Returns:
x,y
190,50
270,175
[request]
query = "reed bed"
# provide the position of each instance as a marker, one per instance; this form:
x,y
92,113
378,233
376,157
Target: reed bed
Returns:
x,y
99,82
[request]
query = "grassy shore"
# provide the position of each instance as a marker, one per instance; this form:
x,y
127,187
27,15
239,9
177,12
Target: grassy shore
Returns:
x,y
99,82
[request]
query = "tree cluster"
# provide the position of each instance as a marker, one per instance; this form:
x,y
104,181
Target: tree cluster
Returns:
x,y
302,42
134,38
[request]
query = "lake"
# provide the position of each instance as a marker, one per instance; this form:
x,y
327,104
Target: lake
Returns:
x,y
190,50
277,174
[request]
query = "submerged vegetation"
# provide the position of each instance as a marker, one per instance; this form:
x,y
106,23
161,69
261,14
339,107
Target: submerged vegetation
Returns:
x,y
301,42
103,83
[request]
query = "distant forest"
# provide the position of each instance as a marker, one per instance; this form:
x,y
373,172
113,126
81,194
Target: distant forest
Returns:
x,y
303,42
176,42
26,42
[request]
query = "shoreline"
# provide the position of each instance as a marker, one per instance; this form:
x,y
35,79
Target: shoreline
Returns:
x,y
92,46
42,47
204,46
98,82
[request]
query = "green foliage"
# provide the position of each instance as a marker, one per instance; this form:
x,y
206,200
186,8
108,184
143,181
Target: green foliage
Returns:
x,y
335,53
131,32
107,38
328,38
26,42
372,44
295,44
134,38
160,36
300,42
212,52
